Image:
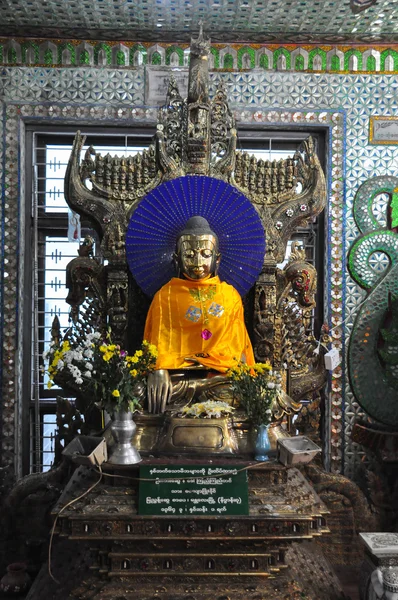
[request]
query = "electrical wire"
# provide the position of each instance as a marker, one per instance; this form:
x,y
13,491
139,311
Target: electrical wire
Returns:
x,y
90,489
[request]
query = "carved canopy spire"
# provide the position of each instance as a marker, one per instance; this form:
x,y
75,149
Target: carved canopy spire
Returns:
x,y
198,82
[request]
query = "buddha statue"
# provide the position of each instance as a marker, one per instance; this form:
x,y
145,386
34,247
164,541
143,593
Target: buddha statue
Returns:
x,y
197,323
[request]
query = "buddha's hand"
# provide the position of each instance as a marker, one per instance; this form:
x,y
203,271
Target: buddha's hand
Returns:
x,y
159,390
194,363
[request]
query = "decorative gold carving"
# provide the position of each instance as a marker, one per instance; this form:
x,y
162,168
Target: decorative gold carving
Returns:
x,y
170,118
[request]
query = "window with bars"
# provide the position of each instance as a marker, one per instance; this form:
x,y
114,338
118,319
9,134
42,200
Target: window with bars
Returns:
x,y
53,246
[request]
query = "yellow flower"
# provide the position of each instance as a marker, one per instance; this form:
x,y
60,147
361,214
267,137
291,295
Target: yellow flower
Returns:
x,y
103,348
49,384
139,353
153,350
57,357
134,359
134,372
112,347
262,367
116,393
107,357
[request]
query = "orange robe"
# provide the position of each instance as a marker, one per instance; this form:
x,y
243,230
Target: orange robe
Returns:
x,y
201,319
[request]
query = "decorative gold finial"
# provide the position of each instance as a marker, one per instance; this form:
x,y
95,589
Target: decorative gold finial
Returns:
x,y
201,45
200,29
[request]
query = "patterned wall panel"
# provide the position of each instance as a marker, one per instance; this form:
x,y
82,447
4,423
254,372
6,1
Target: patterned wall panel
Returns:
x,y
340,102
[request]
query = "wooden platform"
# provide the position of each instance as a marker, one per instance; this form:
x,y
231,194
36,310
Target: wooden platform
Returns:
x,y
105,549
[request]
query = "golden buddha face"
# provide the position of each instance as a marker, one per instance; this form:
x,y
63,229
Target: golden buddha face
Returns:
x,y
197,256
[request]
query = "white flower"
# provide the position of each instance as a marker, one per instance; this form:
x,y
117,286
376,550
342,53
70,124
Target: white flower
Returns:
x,y
79,381
68,357
89,366
88,353
87,374
76,373
208,409
270,385
60,365
268,411
90,337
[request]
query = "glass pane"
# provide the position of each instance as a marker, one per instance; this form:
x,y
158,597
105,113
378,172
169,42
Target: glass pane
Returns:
x,y
270,154
48,441
48,427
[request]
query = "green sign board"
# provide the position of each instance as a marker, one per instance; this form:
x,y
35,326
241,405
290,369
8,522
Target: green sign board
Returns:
x,y
205,490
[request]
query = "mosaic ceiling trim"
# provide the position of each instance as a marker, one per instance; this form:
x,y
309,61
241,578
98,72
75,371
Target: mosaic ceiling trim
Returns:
x,y
53,53
88,96
260,21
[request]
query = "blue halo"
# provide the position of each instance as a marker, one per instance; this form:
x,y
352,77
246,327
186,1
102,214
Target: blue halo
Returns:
x,y
160,216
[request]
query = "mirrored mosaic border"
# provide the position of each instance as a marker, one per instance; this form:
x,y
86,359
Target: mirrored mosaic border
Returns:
x,y
79,96
278,57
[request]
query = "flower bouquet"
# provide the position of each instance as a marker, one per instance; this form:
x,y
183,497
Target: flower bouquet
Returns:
x,y
102,369
256,389
207,410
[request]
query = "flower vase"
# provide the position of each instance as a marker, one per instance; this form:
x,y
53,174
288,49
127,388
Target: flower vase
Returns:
x,y
263,444
123,429
16,581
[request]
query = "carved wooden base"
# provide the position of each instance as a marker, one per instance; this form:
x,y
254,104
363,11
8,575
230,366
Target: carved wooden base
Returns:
x,y
308,577
110,551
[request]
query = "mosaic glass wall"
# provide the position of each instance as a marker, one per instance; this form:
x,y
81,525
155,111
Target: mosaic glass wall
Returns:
x,y
340,102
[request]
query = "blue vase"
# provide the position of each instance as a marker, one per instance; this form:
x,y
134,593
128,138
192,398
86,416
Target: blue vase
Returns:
x,y
263,444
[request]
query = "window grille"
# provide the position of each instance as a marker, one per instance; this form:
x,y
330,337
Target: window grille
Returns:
x,y
51,253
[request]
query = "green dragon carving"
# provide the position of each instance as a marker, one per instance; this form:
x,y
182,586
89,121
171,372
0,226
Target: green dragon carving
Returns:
x,y
373,347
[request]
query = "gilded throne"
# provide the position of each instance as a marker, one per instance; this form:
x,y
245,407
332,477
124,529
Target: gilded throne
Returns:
x,y
138,204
